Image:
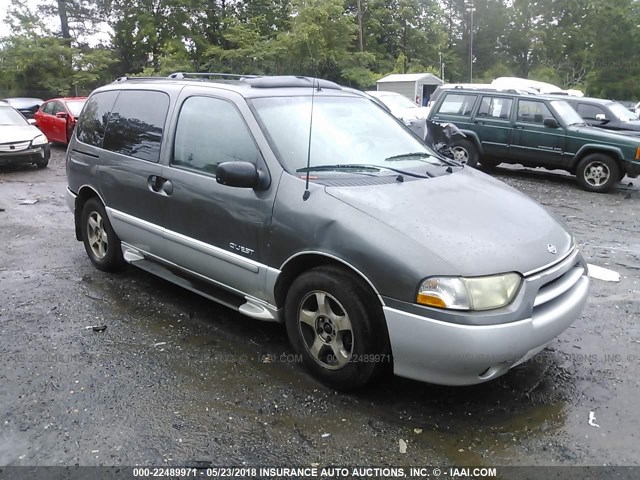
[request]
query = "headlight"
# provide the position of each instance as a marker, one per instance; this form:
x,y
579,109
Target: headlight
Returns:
x,y
474,293
39,140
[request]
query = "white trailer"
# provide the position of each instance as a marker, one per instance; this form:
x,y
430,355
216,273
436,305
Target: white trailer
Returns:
x,y
415,86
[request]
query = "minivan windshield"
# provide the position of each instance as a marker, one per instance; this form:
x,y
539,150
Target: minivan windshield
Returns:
x,y
345,131
568,115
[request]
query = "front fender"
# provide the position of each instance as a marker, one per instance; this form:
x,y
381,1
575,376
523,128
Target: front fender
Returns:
x,y
596,148
473,137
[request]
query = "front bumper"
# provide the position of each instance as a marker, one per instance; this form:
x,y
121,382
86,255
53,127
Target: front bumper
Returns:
x,y
446,353
28,155
632,168
70,199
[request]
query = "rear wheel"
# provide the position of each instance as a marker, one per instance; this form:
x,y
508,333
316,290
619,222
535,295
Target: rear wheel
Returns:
x,y
337,326
100,241
465,152
597,172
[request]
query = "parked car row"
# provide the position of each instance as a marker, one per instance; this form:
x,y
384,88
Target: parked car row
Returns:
x,y
21,141
58,117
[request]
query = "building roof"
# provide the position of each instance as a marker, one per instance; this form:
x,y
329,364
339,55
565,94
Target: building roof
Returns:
x,y
410,77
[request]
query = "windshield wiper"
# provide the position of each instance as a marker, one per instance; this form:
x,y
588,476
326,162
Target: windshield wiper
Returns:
x,y
362,167
397,170
338,166
407,155
402,156
583,124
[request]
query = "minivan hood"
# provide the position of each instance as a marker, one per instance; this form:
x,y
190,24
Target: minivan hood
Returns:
x,y
18,133
472,222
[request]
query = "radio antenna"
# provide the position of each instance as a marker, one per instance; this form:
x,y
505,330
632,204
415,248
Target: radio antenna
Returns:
x,y
314,82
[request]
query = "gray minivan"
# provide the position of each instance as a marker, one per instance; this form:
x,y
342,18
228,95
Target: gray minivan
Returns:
x,y
293,200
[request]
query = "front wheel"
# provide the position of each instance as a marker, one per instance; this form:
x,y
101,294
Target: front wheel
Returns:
x,y
333,322
597,172
44,161
465,152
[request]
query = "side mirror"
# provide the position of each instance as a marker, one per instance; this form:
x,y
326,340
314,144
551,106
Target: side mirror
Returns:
x,y
31,121
61,115
242,175
601,117
551,123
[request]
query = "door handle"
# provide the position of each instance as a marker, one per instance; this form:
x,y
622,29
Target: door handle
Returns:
x,y
159,185
519,127
167,187
479,122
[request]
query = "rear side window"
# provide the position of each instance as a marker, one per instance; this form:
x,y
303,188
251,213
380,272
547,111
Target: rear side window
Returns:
x,y
211,131
495,107
531,111
136,124
458,104
94,118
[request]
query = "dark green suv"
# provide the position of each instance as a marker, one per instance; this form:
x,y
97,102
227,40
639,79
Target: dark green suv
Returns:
x,y
536,131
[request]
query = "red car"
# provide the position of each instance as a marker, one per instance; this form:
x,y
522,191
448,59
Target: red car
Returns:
x,y
57,117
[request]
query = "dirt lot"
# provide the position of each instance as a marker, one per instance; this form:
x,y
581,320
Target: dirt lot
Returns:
x,y
176,378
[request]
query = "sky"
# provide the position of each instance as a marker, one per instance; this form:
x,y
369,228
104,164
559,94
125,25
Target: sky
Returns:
x,y
53,23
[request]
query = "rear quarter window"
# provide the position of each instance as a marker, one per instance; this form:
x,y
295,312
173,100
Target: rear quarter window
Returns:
x,y
136,124
93,120
458,104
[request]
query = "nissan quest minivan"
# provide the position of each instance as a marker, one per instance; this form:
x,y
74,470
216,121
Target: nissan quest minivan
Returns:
x,y
291,199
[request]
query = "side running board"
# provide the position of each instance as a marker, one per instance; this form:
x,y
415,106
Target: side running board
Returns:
x,y
248,306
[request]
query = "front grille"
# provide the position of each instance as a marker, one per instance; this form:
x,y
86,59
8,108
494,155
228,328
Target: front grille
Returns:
x,y
558,286
14,147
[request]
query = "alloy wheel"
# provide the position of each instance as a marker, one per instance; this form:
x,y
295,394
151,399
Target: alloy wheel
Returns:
x,y
596,173
97,235
326,330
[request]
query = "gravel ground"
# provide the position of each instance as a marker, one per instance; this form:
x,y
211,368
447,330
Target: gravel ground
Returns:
x,y
175,378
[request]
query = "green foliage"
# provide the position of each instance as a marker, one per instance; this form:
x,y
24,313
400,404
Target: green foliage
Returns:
x,y
587,44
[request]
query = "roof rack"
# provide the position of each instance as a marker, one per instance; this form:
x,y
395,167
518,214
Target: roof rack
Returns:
x,y
125,78
187,75
254,81
183,75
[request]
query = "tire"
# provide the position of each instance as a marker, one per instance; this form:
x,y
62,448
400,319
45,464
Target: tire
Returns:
x,y
465,152
489,163
100,241
597,172
352,347
42,163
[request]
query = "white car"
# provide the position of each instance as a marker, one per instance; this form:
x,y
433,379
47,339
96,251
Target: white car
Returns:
x,y
400,106
20,140
412,114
